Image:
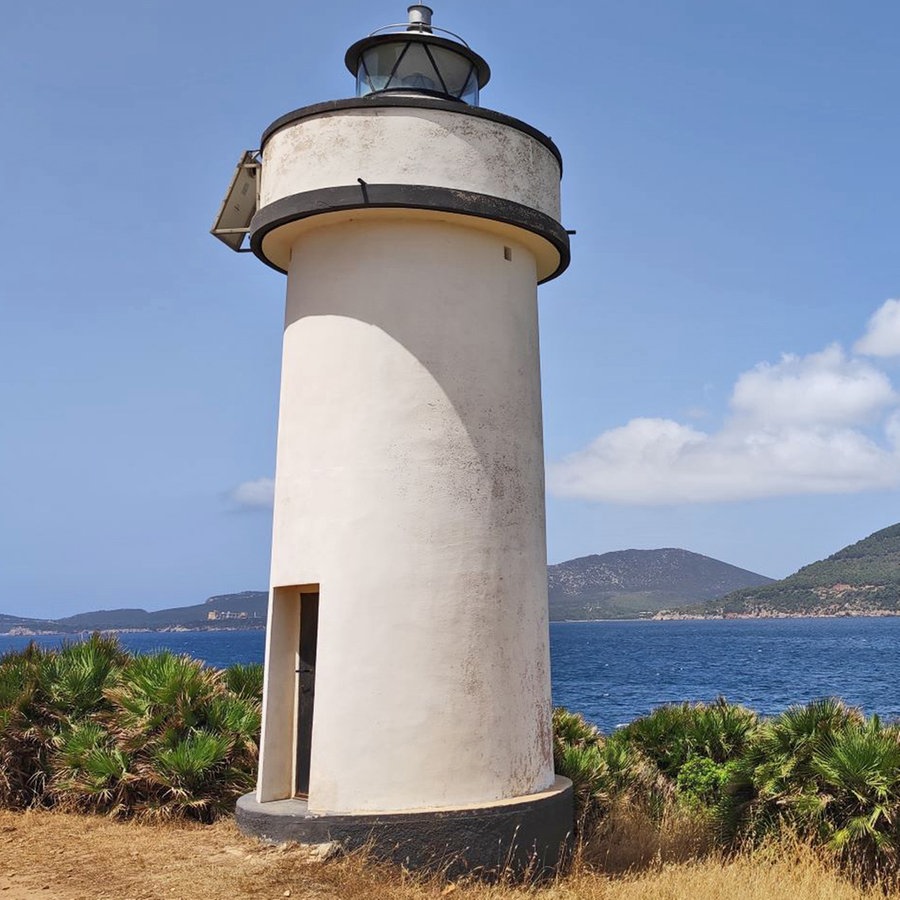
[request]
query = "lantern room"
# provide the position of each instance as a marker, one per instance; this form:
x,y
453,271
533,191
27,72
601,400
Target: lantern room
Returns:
x,y
417,60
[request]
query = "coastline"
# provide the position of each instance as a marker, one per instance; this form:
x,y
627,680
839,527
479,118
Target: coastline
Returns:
x,y
19,631
663,616
675,616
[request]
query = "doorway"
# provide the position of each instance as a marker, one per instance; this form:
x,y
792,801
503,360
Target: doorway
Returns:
x,y
306,689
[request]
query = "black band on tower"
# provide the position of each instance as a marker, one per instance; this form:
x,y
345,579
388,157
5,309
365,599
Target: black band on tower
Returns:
x,y
406,196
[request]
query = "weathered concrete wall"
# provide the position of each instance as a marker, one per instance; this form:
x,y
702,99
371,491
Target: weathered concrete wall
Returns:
x,y
410,487
410,146
409,479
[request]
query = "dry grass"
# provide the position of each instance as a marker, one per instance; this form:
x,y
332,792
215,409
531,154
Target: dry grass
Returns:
x,y
628,840
60,856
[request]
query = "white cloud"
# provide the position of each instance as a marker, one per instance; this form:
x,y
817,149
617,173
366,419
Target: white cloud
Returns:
x,y
258,494
882,337
820,389
794,429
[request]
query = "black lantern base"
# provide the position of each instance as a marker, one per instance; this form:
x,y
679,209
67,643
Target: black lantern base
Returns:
x,y
529,835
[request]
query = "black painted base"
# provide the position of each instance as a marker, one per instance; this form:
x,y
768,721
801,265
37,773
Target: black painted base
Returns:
x,y
530,835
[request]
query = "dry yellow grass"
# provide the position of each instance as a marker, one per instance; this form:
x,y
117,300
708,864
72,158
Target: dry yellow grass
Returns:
x,y
58,856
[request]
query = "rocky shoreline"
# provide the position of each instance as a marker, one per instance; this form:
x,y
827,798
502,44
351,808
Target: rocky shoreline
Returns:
x,y
676,616
20,631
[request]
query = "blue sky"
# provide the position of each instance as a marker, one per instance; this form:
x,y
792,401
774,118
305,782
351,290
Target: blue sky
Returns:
x,y
713,375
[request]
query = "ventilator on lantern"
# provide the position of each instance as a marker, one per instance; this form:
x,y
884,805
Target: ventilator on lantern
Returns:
x,y
407,686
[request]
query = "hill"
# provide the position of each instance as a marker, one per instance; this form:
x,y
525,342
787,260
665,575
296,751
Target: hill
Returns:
x,y
861,579
637,583
246,609
620,585
17,624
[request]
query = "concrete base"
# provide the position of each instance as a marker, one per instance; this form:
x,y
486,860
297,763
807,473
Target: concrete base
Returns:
x,y
528,834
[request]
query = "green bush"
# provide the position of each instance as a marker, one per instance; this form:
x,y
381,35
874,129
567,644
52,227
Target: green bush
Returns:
x,y
822,771
701,781
91,727
829,774
603,770
671,735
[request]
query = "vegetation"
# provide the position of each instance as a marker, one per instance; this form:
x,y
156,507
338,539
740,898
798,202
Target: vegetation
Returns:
x,y
823,773
862,578
60,856
89,727
638,583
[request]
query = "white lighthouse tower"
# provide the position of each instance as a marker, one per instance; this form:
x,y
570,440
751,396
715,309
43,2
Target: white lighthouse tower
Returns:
x,y
407,687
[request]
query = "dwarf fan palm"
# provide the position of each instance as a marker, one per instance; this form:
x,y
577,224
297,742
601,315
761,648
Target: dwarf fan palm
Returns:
x,y
858,794
160,693
671,735
23,747
195,776
245,680
601,769
89,771
75,677
774,779
192,743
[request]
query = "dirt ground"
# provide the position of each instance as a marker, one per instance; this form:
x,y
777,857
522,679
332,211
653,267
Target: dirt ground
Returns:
x,y
57,856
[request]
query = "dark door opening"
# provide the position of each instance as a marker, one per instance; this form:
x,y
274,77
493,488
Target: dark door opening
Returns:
x,y
306,688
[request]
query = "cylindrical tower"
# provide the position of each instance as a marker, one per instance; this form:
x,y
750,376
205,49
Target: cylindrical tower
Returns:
x,y
407,665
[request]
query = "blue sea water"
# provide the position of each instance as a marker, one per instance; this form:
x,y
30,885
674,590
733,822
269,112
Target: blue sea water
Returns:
x,y
613,672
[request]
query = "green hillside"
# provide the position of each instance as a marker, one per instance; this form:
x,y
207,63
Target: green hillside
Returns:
x,y
626,584
616,585
861,579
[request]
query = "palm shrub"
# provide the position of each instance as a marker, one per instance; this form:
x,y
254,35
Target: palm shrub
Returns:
x,y
773,781
75,677
90,727
192,775
694,746
829,774
189,744
89,772
576,756
854,803
43,695
82,760
602,769
245,680
160,692
23,729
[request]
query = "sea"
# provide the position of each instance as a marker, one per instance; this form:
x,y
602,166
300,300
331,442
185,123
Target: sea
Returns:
x,y
614,671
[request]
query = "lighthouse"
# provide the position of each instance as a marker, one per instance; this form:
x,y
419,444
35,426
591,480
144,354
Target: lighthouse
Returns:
x,y
407,677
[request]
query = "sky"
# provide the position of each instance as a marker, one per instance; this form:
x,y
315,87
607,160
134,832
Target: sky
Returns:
x,y
720,363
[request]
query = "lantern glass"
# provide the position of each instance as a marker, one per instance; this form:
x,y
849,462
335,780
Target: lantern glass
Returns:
x,y
375,68
458,73
416,66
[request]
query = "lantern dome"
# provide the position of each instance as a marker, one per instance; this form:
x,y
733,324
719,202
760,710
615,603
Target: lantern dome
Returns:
x,y
411,58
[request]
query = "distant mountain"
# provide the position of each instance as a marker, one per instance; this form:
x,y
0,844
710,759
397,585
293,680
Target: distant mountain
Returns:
x,y
13,624
623,584
861,579
637,583
225,611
